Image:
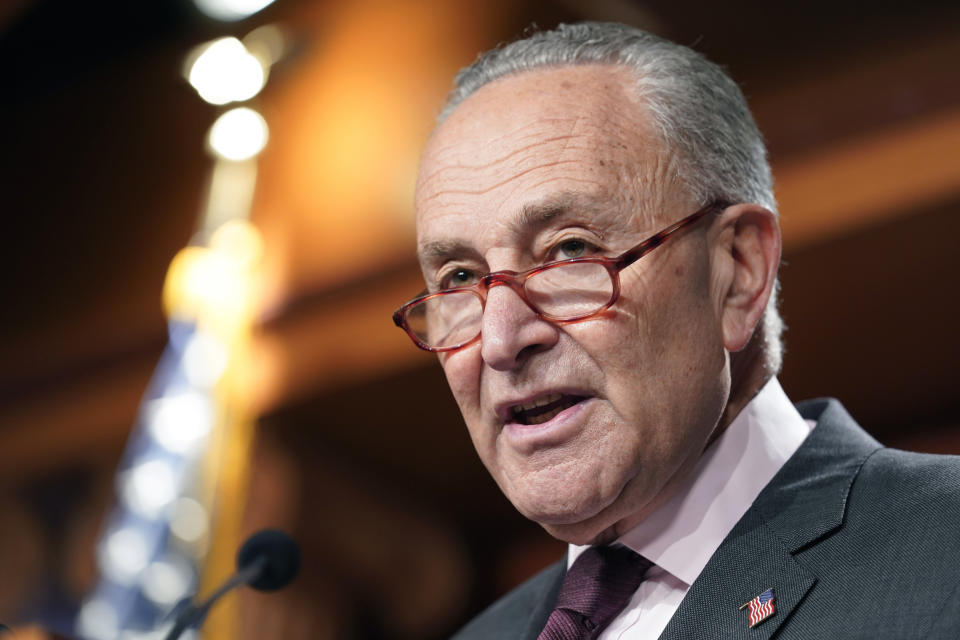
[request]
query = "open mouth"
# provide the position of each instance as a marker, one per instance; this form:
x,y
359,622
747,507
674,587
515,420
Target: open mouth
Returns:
x,y
542,409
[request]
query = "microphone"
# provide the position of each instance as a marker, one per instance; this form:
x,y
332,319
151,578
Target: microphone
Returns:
x,y
267,561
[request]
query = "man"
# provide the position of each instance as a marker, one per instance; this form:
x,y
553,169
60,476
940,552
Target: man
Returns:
x,y
597,229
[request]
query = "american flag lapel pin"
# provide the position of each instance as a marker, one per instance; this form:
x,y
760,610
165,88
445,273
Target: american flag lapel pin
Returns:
x,y
761,607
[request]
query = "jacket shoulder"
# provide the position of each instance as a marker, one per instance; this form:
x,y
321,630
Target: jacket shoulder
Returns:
x,y
898,480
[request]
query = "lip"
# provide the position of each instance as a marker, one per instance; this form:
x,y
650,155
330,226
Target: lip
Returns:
x,y
504,410
560,428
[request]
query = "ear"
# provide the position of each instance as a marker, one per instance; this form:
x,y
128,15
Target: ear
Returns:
x,y
749,256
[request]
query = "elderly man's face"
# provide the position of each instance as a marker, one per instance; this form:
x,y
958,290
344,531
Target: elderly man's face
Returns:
x,y
555,164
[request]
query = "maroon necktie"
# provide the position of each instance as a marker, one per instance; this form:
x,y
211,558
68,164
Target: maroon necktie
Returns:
x,y
596,588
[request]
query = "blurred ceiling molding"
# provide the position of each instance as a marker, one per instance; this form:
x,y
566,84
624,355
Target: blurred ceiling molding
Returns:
x,y
863,182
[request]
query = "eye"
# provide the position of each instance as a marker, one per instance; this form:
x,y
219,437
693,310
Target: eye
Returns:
x,y
457,278
571,248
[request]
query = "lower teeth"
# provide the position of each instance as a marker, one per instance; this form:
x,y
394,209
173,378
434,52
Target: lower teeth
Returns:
x,y
546,416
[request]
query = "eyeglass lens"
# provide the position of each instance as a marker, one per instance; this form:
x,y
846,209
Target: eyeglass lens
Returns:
x,y
564,292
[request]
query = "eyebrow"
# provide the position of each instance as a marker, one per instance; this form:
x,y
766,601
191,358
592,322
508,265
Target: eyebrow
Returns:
x,y
531,218
439,250
537,215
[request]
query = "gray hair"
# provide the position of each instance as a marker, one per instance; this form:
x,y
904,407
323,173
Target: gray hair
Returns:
x,y
698,111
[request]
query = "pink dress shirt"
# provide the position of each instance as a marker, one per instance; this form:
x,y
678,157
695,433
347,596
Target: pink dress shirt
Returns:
x,y
681,535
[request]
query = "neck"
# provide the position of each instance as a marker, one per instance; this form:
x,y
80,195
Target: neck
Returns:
x,y
748,374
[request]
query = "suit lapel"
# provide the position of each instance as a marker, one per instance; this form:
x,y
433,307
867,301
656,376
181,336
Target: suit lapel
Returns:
x,y
804,503
749,562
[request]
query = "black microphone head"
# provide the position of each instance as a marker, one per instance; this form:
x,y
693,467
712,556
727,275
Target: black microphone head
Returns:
x,y
280,553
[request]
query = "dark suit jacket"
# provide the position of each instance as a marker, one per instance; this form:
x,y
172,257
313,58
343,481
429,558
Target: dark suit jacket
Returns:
x,y
857,541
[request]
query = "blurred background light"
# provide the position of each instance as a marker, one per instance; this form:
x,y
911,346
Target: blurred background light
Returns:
x,y
230,193
98,620
225,71
229,10
216,281
149,488
167,581
124,555
239,134
180,422
189,521
239,241
204,360
267,43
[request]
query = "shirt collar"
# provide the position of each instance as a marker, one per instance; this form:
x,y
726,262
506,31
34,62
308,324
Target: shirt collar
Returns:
x,y
683,533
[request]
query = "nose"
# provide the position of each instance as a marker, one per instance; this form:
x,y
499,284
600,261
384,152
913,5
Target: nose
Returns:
x,y
511,331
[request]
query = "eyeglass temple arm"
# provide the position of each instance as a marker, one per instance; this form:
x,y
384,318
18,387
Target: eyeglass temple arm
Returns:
x,y
654,241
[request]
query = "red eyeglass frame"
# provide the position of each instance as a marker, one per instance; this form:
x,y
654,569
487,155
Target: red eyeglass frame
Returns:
x,y
516,280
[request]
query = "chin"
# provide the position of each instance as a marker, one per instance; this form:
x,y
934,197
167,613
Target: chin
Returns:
x,y
581,533
580,524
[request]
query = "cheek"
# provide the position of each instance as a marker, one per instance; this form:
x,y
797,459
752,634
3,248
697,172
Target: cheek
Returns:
x,y
659,341
671,308
462,370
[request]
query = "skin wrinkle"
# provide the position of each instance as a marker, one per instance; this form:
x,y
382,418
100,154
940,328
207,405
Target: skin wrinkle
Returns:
x,y
653,367
573,129
614,120
433,251
532,218
471,167
474,192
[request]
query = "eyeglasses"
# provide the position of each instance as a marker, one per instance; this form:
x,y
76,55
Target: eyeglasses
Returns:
x,y
562,292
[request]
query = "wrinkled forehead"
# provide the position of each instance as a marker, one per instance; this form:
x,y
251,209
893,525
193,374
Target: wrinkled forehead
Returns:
x,y
567,129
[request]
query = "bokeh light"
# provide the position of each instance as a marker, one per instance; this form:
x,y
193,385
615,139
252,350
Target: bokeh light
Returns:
x,y
149,487
239,134
189,521
230,10
225,71
167,581
124,555
180,422
204,359
98,620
